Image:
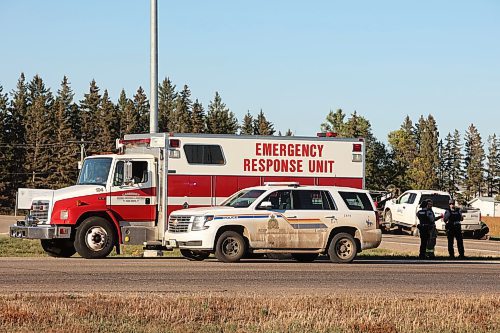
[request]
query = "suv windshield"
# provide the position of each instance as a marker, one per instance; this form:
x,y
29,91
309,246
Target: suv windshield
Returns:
x,y
95,171
243,198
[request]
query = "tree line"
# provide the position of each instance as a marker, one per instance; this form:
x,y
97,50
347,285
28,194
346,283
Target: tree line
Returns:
x,y
41,135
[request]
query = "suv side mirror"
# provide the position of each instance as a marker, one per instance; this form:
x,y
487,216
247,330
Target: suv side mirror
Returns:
x,y
127,173
266,205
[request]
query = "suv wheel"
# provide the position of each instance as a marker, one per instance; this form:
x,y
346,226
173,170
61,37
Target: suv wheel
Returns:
x,y
230,247
343,248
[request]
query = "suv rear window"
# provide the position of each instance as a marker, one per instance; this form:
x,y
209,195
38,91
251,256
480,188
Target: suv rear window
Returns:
x,y
356,200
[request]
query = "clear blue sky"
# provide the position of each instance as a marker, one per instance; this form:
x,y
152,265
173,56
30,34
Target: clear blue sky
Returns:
x,y
294,59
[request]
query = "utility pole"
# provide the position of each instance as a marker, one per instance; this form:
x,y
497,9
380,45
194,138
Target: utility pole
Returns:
x,y
153,109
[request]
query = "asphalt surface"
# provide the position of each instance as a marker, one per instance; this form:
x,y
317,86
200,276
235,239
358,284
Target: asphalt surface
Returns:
x,y
176,275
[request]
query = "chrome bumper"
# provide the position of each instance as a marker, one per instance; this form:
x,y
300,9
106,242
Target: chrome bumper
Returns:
x,y
39,232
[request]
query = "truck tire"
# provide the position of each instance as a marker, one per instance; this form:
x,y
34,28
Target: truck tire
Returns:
x,y
343,248
305,257
194,255
230,247
59,248
95,238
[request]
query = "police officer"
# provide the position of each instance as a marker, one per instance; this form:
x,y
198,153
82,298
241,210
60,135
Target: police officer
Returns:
x,y
427,229
452,218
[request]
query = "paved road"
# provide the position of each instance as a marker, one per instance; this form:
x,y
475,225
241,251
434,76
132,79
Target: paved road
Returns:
x,y
174,275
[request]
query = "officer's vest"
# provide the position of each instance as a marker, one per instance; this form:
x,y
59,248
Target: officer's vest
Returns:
x,y
455,217
423,217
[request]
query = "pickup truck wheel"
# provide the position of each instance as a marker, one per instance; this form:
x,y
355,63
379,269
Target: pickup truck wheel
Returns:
x,y
343,248
388,218
194,255
231,247
95,238
62,248
305,257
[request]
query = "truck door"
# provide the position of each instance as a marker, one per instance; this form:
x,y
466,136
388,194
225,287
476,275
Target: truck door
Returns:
x,y
399,214
134,201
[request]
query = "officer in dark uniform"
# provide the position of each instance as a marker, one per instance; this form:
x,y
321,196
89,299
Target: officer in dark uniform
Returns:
x,y
427,229
423,228
452,218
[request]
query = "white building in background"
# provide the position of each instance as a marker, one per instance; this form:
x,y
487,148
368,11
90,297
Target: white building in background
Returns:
x,y
488,206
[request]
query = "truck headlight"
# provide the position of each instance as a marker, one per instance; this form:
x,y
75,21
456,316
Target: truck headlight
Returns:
x,y
199,222
63,215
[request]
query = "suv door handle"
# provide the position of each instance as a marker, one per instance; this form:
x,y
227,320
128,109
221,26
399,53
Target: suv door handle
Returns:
x,y
291,217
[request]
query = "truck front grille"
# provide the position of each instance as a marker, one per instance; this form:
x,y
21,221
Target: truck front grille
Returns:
x,y
179,223
40,210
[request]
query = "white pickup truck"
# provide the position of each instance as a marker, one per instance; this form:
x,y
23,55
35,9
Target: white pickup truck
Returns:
x,y
402,212
304,221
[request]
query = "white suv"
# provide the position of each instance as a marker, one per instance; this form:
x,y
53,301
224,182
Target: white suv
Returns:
x,y
304,221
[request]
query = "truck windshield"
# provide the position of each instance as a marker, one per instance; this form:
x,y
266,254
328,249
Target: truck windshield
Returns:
x,y
95,171
243,198
438,200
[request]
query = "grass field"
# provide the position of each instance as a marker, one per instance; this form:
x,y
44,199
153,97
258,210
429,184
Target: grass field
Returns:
x,y
247,313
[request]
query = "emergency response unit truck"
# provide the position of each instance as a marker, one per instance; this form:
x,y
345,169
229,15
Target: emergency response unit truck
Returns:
x,y
126,198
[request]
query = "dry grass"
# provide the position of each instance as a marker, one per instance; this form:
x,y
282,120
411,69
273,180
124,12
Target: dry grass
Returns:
x,y
494,225
247,313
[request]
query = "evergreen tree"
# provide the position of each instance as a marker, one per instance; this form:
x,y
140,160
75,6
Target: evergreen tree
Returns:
x,y
334,122
289,133
473,163
446,164
262,126
109,124
425,167
141,108
5,153
89,114
15,136
493,166
219,119
64,150
441,166
456,159
198,118
166,105
247,125
39,132
129,119
182,116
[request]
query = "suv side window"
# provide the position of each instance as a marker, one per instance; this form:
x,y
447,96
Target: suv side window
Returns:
x,y
280,200
312,200
356,200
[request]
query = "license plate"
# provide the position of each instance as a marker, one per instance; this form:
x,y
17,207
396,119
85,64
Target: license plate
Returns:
x,y
172,242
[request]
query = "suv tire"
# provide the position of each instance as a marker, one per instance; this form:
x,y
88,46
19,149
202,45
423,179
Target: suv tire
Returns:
x,y
230,247
343,248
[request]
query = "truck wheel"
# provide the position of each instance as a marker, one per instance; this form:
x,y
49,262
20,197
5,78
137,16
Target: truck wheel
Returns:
x,y
388,218
231,247
63,248
343,248
305,257
194,255
95,238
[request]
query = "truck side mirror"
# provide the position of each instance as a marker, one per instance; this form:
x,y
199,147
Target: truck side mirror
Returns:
x,y
127,173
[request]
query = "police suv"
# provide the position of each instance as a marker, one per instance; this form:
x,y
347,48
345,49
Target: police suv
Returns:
x,y
304,221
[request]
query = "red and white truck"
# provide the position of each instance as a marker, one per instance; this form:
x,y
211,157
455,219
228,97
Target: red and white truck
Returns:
x,y
126,198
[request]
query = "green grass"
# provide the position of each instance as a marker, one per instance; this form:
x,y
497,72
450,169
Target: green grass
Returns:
x,y
13,247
